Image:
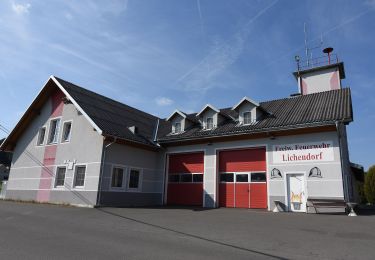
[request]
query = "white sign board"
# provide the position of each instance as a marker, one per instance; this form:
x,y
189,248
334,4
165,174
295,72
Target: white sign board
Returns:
x,y
303,152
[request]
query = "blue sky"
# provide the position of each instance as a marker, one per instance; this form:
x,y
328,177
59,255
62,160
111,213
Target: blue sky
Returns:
x,y
160,55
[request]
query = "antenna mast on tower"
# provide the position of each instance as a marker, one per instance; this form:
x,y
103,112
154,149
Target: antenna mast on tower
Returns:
x,y
308,51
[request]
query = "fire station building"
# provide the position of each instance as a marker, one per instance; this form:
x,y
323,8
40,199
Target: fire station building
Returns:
x,y
78,147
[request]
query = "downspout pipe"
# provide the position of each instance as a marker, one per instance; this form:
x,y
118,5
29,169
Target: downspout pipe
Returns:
x,y
102,170
343,173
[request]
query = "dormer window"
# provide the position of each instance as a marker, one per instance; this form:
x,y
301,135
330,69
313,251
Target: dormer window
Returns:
x,y
247,118
209,123
177,128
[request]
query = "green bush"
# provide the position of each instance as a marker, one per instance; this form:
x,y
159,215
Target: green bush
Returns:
x,y
370,185
361,192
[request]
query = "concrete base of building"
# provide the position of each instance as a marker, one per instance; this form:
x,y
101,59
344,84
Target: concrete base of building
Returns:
x,y
72,197
130,199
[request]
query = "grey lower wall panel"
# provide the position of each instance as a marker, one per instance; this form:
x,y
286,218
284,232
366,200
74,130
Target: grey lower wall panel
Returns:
x,y
74,197
27,195
130,199
84,198
283,205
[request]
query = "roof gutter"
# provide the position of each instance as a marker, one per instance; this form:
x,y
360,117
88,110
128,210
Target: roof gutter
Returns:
x,y
332,123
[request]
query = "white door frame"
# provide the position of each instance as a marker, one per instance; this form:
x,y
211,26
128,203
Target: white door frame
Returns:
x,y
304,186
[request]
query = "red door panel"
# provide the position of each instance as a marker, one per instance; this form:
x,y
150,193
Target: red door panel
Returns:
x,y
258,195
186,163
242,195
244,160
226,195
182,193
185,194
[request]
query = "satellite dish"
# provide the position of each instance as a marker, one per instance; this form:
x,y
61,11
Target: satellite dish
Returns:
x,y
328,50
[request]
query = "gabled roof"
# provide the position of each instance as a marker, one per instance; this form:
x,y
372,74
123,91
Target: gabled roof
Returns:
x,y
107,116
208,106
176,112
317,109
243,100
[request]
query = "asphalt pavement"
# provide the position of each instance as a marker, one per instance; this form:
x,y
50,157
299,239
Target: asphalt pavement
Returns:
x,y
41,231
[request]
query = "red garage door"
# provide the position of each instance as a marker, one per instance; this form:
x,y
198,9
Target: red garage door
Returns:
x,y
185,179
243,178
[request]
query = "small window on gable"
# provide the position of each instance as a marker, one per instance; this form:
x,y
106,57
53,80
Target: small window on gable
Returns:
x,y
67,128
209,123
54,131
177,127
247,118
41,136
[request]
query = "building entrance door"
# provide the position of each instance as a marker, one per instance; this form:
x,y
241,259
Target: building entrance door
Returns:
x,y
296,192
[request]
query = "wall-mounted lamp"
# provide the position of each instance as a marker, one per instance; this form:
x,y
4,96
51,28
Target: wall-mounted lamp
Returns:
x,y
315,172
275,173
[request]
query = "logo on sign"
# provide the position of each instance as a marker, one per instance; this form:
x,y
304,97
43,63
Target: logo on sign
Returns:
x,y
303,152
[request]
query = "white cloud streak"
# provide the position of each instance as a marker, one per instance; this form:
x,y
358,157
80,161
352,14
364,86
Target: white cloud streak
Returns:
x,y
20,9
163,101
219,58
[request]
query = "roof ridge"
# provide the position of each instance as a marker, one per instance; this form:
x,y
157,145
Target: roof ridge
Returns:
x,y
105,97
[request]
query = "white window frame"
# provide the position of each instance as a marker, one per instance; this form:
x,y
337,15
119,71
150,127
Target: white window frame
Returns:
x,y
140,180
44,139
206,123
74,176
184,173
175,131
63,129
124,183
58,131
60,187
243,118
249,177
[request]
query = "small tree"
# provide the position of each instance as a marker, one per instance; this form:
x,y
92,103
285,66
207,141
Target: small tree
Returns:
x,y
370,185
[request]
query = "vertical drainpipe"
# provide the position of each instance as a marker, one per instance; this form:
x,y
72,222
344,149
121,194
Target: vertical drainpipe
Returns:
x,y
343,172
102,170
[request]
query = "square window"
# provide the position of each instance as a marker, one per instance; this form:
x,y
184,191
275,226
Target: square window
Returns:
x,y
60,176
67,128
209,123
41,136
79,176
226,177
258,177
117,177
242,177
54,131
247,118
134,177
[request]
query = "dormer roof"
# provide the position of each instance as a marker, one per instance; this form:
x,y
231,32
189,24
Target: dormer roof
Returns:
x,y
247,100
176,112
208,106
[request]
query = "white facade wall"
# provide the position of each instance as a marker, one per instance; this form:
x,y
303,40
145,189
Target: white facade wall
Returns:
x,y
329,186
84,148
